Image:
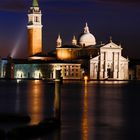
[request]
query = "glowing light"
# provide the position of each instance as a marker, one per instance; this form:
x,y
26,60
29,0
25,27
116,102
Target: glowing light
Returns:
x,y
18,80
58,67
64,54
36,81
17,44
37,74
86,79
20,74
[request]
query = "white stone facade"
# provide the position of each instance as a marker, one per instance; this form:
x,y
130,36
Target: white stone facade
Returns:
x,y
109,64
68,70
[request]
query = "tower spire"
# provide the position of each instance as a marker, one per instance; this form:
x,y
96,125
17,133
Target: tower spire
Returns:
x,y
35,3
74,41
58,41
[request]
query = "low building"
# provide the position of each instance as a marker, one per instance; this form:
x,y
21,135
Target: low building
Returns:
x,y
82,57
68,70
46,70
3,63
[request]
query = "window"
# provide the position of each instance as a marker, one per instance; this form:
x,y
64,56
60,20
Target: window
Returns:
x,y
36,19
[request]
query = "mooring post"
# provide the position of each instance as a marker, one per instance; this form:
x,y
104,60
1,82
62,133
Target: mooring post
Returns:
x,y
57,97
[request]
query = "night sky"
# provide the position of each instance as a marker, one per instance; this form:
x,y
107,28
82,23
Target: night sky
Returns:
x,y
117,18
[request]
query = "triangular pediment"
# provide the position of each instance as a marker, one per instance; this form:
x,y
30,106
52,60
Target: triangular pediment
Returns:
x,y
111,45
95,58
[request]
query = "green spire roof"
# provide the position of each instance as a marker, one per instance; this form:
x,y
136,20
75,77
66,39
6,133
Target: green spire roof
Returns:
x,y
35,3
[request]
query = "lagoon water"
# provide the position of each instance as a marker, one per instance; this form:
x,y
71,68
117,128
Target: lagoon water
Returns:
x,y
98,110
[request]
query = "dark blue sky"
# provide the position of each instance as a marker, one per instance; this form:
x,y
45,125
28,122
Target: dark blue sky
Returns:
x,y
117,18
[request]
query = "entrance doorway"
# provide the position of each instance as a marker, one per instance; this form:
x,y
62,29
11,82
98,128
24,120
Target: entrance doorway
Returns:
x,y
109,73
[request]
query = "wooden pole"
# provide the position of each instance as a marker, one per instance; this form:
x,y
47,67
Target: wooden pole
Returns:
x,y
57,97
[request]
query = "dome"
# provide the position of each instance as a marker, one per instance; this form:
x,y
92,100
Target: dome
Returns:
x,y
87,38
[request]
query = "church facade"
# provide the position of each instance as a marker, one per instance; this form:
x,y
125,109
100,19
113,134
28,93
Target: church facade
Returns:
x,y
109,63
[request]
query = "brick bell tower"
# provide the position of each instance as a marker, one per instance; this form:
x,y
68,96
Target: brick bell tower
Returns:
x,y
34,29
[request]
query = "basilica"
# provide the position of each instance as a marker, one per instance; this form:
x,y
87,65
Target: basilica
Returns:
x,y
82,57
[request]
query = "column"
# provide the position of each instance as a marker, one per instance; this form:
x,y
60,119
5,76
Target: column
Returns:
x,y
118,73
100,66
105,65
114,75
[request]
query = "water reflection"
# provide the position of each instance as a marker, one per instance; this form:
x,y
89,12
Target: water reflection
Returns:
x,y
95,111
35,101
17,104
85,126
109,112
108,82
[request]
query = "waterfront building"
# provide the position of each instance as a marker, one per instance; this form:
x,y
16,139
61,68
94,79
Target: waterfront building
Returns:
x,y
42,70
82,57
68,70
103,61
34,28
3,63
109,63
81,48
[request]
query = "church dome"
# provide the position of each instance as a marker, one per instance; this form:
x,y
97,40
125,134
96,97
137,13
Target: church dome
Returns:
x,y
87,38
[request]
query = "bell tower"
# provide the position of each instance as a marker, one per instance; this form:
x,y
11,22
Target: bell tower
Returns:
x,y
34,29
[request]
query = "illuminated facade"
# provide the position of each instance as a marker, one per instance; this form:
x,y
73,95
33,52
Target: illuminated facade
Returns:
x,y
82,57
34,29
3,63
109,64
27,71
68,70
37,70
83,47
106,61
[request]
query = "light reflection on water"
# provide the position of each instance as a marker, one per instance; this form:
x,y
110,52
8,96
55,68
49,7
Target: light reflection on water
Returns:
x,y
85,125
93,111
17,104
35,101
